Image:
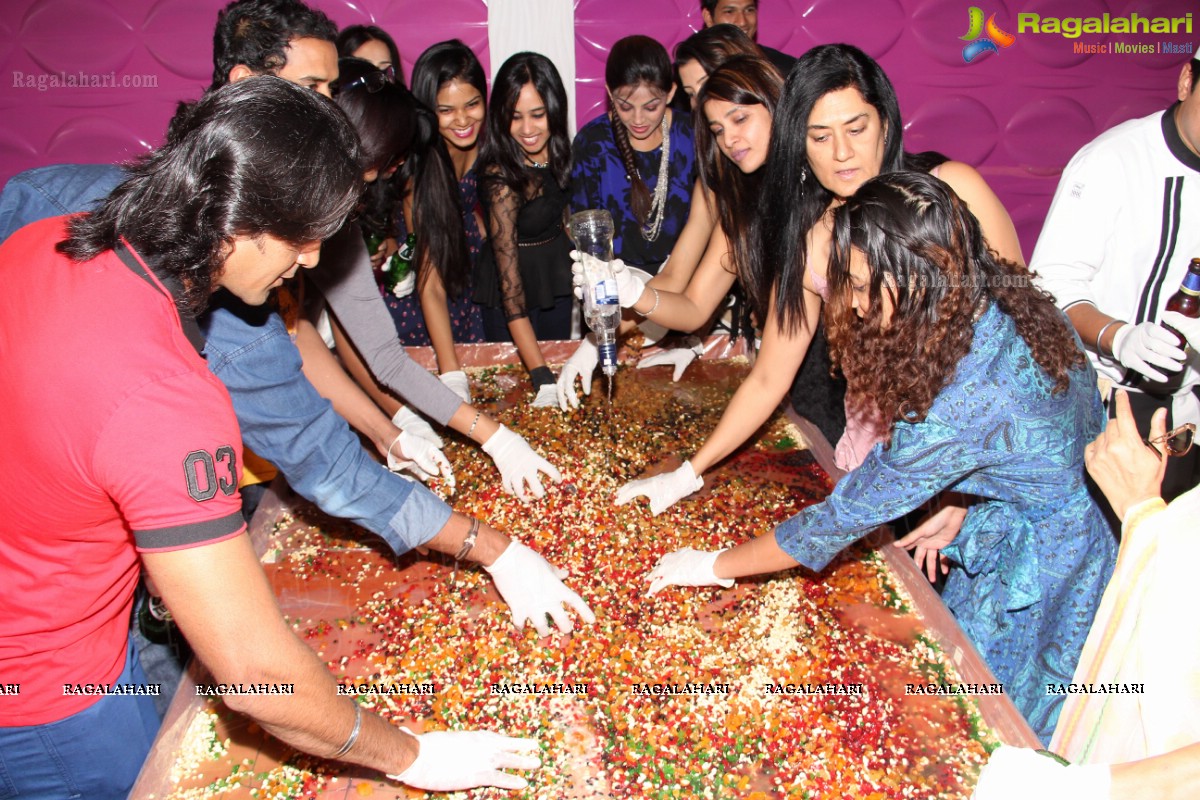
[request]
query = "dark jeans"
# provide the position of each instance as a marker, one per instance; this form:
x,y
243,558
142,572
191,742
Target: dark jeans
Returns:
x,y
94,754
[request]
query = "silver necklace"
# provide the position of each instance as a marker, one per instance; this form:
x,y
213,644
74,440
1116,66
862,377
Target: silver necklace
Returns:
x,y
658,206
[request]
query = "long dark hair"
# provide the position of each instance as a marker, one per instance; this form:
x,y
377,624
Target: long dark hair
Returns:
x,y
633,61
384,115
258,157
437,213
501,159
711,47
352,37
925,249
742,80
793,200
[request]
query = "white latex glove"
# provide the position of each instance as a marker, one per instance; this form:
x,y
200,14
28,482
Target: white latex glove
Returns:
x,y
677,357
457,382
1190,328
533,589
629,286
547,396
450,761
1148,348
663,490
408,420
419,457
1017,772
582,364
518,463
686,567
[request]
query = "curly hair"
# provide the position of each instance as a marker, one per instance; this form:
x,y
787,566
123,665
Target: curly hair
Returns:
x,y
925,250
260,157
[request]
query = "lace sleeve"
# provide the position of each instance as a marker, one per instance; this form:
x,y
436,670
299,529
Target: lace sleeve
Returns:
x,y
503,207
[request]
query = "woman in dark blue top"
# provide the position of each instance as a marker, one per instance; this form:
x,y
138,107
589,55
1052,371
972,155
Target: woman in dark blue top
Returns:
x,y
638,161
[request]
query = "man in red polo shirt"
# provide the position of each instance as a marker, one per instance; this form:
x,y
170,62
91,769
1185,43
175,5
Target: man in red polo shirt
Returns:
x,y
121,446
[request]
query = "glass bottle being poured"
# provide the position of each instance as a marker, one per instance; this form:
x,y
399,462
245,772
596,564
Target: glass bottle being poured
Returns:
x,y
592,232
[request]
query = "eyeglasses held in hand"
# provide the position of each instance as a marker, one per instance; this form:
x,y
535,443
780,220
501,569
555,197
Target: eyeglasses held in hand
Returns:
x,y
1177,442
372,81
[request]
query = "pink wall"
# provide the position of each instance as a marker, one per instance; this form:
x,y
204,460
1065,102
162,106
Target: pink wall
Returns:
x,y
1017,115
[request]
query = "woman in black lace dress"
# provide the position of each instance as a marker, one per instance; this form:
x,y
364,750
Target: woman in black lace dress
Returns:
x,y
523,279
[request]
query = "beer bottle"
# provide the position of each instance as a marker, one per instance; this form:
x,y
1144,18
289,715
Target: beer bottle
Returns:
x,y
1185,301
398,267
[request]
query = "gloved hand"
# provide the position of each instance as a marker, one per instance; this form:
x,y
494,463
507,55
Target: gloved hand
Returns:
x,y
533,588
408,420
686,567
1190,328
663,490
1018,772
419,457
629,286
1148,348
678,357
582,364
518,463
450,761
457,382
546,397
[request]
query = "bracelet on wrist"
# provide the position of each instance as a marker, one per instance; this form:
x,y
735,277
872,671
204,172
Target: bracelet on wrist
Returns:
x,y
468,543
653,308
474,422
1099,348
345,748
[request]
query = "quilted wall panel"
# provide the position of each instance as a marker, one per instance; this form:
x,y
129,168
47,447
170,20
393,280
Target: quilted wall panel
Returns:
x,y
140,57
1017,114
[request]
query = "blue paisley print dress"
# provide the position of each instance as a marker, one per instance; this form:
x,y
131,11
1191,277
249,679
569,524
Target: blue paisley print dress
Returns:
x,y
1033,557
599,180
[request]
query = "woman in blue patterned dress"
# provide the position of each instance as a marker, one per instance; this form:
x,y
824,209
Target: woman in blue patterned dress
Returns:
x,y
638,161
987,393
441,206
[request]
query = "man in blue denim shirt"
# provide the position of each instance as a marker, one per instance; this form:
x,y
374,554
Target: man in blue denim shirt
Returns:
x,y
282,416
285,420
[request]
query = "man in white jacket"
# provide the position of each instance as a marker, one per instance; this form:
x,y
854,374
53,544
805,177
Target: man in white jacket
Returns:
x,y
1116,246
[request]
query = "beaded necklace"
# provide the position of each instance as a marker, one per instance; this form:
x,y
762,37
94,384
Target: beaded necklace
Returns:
x,y
658,206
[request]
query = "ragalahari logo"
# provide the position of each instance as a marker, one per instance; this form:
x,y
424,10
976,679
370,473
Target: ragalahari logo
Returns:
x,y
995,39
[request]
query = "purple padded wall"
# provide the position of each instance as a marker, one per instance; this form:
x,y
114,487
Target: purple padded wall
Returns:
x,y
1017,114
164,43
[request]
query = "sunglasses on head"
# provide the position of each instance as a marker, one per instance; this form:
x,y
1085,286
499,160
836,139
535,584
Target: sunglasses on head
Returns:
x,y
372,81
1177,442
